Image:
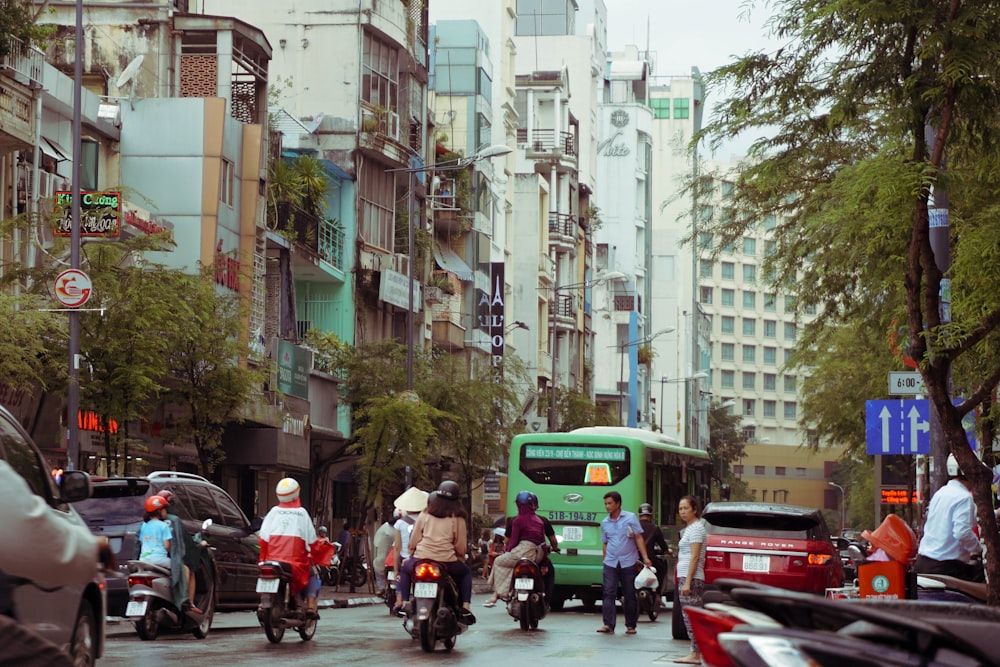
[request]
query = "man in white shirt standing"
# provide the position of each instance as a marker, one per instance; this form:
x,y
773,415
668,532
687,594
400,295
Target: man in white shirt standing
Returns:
x,y
949,541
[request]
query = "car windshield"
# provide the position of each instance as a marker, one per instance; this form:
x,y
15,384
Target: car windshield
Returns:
x,y
112,506
763,525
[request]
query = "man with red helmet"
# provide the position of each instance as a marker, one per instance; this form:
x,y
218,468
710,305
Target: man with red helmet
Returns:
x,y
288,535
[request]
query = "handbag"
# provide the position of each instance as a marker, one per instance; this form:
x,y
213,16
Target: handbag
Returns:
x,y
646,578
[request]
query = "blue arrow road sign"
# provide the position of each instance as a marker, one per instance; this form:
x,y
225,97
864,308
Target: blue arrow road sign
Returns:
x,y
897,427
903,426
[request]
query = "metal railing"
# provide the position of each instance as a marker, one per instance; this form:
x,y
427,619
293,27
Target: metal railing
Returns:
x,y
547,140
23,61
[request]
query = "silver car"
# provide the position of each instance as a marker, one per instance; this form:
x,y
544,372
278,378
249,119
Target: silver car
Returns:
x,y
71,617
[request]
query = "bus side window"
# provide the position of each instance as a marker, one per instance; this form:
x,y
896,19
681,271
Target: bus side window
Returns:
x,y
597,474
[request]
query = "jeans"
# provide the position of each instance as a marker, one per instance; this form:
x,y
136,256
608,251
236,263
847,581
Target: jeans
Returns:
x,y
458,571
613,576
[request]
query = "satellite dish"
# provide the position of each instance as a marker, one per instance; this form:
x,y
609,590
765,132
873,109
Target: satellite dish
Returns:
x,y
130,71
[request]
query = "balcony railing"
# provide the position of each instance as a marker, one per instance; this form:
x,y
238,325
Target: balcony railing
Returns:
x,y
23,63
320,236
547,141
624,302
562,223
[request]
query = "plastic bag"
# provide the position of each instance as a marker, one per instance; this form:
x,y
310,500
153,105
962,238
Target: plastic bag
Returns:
x,y
646,578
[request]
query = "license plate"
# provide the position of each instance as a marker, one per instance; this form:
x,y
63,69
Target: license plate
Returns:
x,y
524,583
390,575
267,585
136,608
756,563
423,589
572,533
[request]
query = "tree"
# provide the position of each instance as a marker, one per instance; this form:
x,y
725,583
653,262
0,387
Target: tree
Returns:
x,y
726,444
574,409
32,344
18,19
208,380
867,98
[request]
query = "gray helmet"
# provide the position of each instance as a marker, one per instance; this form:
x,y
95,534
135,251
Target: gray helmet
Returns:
x,y
645,509
449,489
322,529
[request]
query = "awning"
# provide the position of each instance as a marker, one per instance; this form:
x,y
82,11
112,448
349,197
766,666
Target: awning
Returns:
x,y
449,260
51,149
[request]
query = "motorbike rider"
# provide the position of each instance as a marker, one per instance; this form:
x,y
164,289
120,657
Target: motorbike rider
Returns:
x,y
440,534
526,535
70,556
656,545
287,535
411,503
949,543
155,535
184,561
324,549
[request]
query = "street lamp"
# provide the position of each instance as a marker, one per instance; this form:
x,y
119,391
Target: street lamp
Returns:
x,y
843,508
610,275
621,366
701,375
448,165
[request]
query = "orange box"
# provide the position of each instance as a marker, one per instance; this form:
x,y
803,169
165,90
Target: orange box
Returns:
x,y
886,580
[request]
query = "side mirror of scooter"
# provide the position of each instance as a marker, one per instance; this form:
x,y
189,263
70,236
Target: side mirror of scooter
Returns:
x,y
854,551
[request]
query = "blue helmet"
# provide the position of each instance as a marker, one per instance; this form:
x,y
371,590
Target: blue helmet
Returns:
x,y
525,498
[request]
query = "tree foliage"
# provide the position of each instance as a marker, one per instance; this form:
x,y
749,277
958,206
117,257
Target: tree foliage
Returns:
x,y
865,100
575,409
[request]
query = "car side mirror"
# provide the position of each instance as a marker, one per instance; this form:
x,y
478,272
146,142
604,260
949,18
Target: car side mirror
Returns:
x,y
75,486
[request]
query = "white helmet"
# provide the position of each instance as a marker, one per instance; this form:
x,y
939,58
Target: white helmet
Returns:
x,y
952,466
287,490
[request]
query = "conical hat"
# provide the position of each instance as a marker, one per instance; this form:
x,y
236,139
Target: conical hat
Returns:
x,y
411,500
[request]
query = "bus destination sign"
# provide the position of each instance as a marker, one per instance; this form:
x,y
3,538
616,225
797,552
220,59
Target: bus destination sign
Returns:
x,y
578,453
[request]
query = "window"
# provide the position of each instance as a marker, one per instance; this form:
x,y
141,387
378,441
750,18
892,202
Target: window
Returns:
x,y
758,470
738,470
750,247
728,271
770,329
25,461
749,273
789,330
660,106
377,197
232,516
728,352
705,270
770,302
789,409
789,304
682,107
729,247
770,355
749,407
790,383
728,324
800,472
770,222
779,471
788,356
705,240
770,247
750,353
201,502
379,73
749,380
749,326
727,189
770,408
728,379
770,381
706,294
227,182
749,299
728,297
809,310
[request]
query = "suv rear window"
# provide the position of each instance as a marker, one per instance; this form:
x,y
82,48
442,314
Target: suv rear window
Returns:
x,y
111,510
765,525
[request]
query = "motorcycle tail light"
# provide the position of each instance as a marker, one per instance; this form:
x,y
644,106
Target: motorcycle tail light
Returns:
x,y
266,571
524,570
706,626
820,559
140,580
427,572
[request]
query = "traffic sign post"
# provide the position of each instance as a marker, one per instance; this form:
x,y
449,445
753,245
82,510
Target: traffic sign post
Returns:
x,y
897,427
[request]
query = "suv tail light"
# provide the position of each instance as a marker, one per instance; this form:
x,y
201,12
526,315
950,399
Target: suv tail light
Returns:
x,y
820,559
706,626
426,572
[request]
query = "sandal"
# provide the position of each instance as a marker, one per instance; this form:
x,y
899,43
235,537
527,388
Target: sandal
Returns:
x,y
606,630
490,603
630,631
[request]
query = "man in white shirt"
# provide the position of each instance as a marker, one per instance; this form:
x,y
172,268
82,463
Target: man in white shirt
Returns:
x,y
949,541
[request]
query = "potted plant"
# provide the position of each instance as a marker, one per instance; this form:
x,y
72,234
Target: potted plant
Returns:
x,y
644,354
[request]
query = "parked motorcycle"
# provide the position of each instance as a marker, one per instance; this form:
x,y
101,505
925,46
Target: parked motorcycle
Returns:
x,y
151,601
279,609
328,563
433,611
761,625
528,603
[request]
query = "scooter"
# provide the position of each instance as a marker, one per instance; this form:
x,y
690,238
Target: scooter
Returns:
x,y
151,601
279,609
329,569
389,592
648,597
527,600
433,611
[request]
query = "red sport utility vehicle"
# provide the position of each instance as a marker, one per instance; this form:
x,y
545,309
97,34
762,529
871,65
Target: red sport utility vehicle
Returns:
x,y
779,545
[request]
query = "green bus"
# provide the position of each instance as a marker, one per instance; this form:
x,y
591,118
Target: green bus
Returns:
x,y
571,472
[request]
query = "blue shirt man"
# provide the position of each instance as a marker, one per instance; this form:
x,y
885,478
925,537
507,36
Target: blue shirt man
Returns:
x,y
621,534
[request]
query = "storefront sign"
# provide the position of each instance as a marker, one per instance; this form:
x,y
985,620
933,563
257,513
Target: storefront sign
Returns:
x,y
294,365
99,214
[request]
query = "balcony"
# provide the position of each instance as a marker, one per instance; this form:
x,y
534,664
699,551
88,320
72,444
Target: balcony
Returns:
x,y
22,73
563,232
564,309
448,335
319,239
546,269
547,144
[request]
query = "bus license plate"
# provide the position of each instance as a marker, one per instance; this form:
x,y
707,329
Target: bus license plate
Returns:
x,y
423,589
756,563
572,533
267,585
136,608
524,583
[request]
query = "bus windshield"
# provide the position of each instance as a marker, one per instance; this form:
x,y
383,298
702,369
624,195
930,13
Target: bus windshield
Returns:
x,y
575,465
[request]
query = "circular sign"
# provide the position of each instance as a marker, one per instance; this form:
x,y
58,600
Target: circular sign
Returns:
x,y
73,288
880,583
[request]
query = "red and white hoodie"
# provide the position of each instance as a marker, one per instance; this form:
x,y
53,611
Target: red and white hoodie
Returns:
x,y
287,535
